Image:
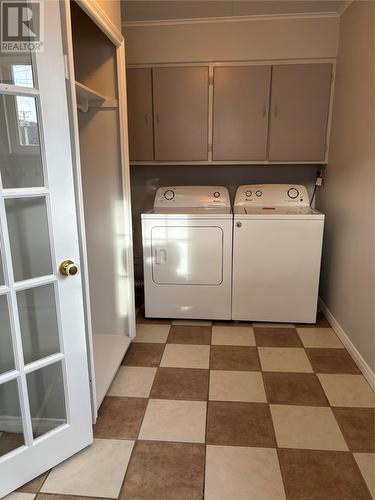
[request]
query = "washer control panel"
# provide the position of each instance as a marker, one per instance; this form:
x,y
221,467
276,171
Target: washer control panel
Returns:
x,y
272,195
192,197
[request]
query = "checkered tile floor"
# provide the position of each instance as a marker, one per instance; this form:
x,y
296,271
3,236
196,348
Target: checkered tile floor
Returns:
x,y
228,411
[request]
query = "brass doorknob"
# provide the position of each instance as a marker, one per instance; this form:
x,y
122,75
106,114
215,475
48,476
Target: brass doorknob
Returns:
x,y
68,268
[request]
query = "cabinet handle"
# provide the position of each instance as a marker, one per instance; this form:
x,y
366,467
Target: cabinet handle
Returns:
x,y
264,111
157,118
275,111
146,118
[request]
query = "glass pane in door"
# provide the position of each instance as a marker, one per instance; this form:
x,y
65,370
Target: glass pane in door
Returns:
x,y
16,69
38,322
6,345
21,161
46,397
29,237
11,431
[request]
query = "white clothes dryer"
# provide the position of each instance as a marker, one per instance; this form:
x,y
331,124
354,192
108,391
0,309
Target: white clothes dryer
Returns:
x,y
187,253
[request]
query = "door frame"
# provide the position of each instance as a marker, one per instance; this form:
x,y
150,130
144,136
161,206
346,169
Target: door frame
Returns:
x,y
100,18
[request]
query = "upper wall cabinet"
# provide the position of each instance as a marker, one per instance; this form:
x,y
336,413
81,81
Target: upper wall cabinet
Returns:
x,y
181,113
259,113
240,112
299,112
140,116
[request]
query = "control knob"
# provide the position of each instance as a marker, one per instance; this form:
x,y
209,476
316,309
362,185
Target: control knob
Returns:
x,y
293,193
169,194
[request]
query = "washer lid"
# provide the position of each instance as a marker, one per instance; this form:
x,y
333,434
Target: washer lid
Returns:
x,y
289,212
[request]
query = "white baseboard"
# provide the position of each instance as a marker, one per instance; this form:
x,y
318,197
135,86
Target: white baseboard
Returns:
x,y
353,351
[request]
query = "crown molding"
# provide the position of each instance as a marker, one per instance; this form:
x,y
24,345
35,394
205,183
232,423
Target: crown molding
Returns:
x,y
345,6
231,19
100,18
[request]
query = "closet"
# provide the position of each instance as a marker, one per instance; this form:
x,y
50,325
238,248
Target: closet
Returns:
x,y
104,205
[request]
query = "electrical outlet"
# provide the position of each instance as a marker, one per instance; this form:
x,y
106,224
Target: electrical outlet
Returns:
x,y
319,181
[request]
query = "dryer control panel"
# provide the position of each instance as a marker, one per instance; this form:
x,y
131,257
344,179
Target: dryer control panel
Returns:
x,y
192,197
271,195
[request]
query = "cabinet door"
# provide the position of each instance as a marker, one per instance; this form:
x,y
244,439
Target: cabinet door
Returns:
x,y
139,90
181,113
299,114
240,120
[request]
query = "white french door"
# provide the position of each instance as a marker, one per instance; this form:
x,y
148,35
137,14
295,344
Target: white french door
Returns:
x,y
45,413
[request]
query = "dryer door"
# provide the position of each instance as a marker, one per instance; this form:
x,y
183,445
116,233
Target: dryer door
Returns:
x,y
187,255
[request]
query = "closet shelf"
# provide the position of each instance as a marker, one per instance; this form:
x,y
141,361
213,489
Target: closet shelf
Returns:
x,y
87,98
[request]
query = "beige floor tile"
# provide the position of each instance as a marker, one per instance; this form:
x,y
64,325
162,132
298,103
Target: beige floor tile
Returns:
x,y
347,390
366,464
97,471
133,381
307,427
186,356
233,335
19,495
167,420
236,386
241,473
191,322
156,334
284,359
319,337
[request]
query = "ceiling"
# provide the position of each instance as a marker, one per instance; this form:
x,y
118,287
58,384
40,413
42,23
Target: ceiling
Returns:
x,y
155,10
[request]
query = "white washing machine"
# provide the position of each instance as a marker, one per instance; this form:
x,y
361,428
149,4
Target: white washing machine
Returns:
x,y
277,245
187,253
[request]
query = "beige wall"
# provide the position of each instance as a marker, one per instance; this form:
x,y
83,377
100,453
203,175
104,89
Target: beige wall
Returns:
x,y
113,10
234,41
347,199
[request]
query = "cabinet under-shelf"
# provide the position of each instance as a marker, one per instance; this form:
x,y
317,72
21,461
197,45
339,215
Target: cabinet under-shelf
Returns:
x,y
90,98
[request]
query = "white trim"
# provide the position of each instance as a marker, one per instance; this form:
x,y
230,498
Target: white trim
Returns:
x,y
125,167
353,351
229,19
100,18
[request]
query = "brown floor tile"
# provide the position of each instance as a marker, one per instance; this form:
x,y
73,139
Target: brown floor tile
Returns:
x,y
34,485
10,441
157,321
246,424
321,322
234,358
277,337
331,361
165,471
321,475
120,418
181,383
143,354
231,323
357,426
294,388
186,334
